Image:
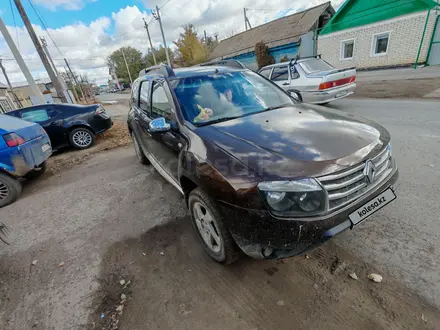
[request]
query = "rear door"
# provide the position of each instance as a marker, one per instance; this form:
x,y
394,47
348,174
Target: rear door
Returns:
x,y
280,76
52,122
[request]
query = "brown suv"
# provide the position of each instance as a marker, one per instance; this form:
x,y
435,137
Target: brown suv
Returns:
x,y
258,170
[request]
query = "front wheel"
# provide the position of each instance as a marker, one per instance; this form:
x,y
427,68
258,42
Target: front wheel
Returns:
x,y
81,138
10,189
211,228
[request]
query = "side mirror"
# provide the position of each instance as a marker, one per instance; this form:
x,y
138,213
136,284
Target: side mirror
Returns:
x,y
159,125
295,96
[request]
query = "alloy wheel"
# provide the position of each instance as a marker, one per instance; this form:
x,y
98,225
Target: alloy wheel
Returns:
x,y
82,138
4,191
207,227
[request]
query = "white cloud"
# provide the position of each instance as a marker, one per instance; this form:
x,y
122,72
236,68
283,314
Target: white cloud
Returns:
x,y
88,46
63,4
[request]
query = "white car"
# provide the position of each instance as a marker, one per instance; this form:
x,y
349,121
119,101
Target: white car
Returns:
x,y
311,79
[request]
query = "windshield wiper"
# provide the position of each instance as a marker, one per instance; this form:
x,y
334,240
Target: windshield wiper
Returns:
x,y
277,107
218,120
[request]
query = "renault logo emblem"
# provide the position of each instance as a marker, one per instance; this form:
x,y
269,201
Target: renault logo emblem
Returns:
x,y
369,171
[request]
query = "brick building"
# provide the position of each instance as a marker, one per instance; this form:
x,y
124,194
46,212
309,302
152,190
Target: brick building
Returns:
x,y
382,33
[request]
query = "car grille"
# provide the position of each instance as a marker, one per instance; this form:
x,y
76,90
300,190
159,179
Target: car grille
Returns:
x,y
346,186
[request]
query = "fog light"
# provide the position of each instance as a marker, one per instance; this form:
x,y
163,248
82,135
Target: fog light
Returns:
x,y
267,252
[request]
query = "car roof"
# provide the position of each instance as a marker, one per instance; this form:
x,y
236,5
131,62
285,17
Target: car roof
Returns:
x,y
56,105
300,60
193,71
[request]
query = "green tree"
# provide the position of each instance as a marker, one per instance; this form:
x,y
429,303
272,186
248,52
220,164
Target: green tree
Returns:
x,y
161,56
190,49
134,59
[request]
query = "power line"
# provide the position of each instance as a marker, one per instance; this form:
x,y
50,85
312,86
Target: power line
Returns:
x,y
15,24
164,4
45,27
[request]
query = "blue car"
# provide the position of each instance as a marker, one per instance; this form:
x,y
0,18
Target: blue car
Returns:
x,y
24,148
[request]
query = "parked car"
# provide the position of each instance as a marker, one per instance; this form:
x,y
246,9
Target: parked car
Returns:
x,y
68,124
24,148
312,80
259,170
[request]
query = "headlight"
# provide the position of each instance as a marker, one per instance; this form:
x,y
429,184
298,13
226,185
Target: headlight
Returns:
x,y
303,197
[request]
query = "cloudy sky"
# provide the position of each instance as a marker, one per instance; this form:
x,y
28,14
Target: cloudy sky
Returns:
x,y
87,31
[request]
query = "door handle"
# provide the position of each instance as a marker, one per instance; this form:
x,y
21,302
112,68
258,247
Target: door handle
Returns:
x,y
286,84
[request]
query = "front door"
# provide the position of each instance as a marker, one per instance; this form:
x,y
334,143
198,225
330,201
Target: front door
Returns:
x,y
164,148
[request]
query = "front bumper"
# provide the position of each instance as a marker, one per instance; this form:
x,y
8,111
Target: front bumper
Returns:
x,y
325,96
261,235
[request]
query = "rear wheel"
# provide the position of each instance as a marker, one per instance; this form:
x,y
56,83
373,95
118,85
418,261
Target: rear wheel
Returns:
x,y
10,189
81,138
139,153
210,226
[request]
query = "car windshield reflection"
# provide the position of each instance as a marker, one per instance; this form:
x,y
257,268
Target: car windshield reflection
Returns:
x,y
224,96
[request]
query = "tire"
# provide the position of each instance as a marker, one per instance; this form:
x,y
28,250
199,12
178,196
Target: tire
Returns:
x,y
139,153
81,138
10,189
34,174
221,248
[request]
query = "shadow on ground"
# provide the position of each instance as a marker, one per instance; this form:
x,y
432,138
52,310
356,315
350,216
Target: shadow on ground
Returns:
x,y
175,285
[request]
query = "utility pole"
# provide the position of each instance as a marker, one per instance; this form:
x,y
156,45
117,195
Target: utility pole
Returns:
x,y
149,39
72,85
16,99
43,57
156,15
35,90
76,81
204,32
60,78
246,20
126,65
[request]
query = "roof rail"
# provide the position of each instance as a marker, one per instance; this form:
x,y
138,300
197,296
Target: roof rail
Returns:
x,y
163,69
295,59
230,63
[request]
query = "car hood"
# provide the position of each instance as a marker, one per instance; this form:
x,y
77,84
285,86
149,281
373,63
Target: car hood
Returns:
x,y
297,141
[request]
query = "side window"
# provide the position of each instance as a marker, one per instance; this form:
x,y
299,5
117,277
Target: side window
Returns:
x,y
265,73
38,115
144,103
135,94
280,73
160,105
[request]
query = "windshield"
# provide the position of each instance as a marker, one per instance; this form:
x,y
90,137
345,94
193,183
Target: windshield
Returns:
x,y
315,65
223,96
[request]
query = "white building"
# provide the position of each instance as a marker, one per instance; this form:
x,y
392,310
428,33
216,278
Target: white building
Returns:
x,y
382,33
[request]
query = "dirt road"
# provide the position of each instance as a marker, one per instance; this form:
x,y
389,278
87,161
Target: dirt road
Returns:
x,y
111,219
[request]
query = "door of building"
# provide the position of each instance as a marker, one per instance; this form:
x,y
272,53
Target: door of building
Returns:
x,y
434,48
